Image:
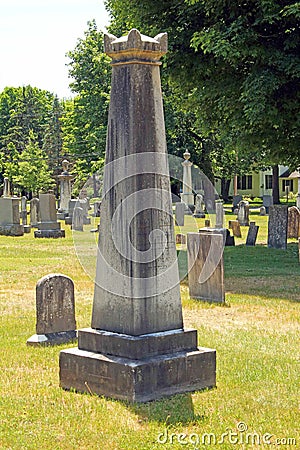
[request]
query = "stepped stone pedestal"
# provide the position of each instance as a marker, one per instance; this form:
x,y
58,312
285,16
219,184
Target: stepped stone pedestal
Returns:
x,y
136,348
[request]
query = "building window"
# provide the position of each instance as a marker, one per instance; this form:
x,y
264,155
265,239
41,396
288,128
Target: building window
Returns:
x,y
244,182
287,183
268,181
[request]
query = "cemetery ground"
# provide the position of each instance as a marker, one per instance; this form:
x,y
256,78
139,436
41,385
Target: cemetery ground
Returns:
x,y
256,335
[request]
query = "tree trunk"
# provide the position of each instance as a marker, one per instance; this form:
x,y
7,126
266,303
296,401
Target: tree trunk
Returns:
x,y
225,185
275,184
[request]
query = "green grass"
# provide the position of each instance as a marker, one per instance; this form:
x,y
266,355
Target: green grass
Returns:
x,y
256,337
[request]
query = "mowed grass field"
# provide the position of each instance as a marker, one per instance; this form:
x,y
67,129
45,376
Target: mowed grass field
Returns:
x,y
256,335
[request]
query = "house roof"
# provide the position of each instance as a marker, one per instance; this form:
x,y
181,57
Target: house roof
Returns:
x,y
288,174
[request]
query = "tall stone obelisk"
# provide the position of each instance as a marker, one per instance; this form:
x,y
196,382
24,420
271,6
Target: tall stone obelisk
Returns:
x,y
136,348
187,195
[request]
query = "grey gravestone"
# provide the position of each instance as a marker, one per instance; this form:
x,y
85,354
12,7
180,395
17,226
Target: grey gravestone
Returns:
x,y
252,234
235,227
267,202
23,214
179,214
137,312
262,211
34,212
207,223
227,238
236,200
48,227
199,206
205,266
277,226
243,213
65,190
219,215
97,208
71,207
77,224
293,222
10,217
55,311
84,203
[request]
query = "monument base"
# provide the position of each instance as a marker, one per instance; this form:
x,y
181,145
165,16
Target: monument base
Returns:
x,y
61,215
199,215
137,368
27,229
62,337
49,234
12,230
68,220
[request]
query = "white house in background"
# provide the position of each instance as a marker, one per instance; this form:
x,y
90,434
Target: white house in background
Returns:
x,y
257,184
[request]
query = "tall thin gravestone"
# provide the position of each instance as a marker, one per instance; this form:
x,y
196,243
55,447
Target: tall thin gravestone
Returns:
x,y
137,348
252,234
55,311
179,214
187,196
219,215
293,222
277,226
243,213
34,212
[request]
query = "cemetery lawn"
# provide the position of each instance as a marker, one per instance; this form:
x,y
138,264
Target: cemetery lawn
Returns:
x,y
256,336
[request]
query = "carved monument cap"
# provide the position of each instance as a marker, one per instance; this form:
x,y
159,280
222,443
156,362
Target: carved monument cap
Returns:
x,y
135,48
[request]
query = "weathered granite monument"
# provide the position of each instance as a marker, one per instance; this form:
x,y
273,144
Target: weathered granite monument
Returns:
x,y
77,223
293,222
34,212
48,227
187,196
179,214
10,213
252,234
277,226
234,225
65,179
267,202
199,207
205,266
137,348
55,311
219,215
243,213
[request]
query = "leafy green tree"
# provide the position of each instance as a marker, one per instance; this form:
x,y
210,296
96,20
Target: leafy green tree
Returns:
x,y
23,111
32,171
237,65
53,137
85,119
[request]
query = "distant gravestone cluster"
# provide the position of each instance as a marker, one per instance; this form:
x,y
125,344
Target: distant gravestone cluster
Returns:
x,y
43,215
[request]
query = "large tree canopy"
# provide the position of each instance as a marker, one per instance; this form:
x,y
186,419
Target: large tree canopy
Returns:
x,y
237,64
